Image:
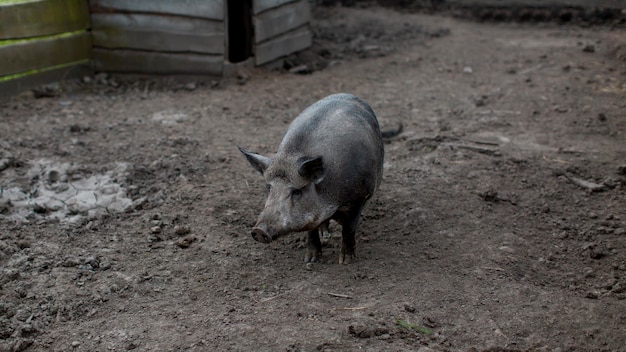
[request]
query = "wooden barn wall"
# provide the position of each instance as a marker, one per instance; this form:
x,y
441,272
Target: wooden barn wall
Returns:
x,y
158,36
281,28
41,42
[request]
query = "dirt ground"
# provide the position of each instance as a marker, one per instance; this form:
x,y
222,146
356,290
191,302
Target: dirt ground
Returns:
x,y
500,224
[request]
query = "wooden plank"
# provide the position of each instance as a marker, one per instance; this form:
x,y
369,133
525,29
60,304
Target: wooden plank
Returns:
x,y
22,84
280,20
283,45
131,61
259,6
158,41
157,33
210,9
39,18
156,22
48,51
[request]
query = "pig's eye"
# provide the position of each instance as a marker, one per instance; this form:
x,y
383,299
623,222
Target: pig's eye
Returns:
x,y
296,193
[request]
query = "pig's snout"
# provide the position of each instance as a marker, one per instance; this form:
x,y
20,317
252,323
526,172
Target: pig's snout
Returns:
x,y
259,233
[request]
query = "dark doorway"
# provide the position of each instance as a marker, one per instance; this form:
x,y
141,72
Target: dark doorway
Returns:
x,y
240,30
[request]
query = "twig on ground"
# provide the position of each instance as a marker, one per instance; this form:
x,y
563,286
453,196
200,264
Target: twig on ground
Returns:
x,y
339,295
351,308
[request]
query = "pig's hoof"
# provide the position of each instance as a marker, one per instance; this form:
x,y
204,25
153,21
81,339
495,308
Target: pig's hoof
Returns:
x,y
312,257
346,258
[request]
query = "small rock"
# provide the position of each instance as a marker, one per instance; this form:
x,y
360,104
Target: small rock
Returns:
x,y
619,231
155,229
467,70
186,241
101,77
87,79
592,295
300,69
409,308
22,244
181,230
589,49
75,344
618,288
93,262
360,331
191,86
561,109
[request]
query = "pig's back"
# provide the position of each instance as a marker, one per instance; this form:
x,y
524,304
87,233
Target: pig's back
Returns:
x,y
344,131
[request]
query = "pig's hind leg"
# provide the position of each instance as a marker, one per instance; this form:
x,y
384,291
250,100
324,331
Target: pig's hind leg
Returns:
x,y
349,222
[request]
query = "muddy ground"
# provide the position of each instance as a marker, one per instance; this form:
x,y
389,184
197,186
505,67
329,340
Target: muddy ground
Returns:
x,y
500,224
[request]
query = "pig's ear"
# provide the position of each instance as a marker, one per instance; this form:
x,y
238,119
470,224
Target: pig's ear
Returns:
x,y
258,161
312,169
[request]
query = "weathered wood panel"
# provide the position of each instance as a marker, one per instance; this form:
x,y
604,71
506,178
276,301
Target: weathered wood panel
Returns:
x,y
157,33
158,41
39,18
35,54
21,84
280,20
155,22
283,45
210,9
131,61
259,6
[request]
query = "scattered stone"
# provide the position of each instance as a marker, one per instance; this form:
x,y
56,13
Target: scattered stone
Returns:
x,y
430,322
467,70
300,69
6,159
182,230
75,344
155,229
409,308
618,288
22,244
191,86
592,295
71,262
101,77
186,241
561,109
360,331
93,262
87,79
589,49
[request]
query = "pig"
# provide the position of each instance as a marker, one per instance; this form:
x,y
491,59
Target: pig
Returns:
x,y
328,165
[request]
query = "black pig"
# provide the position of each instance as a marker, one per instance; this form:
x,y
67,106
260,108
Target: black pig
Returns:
x,y
328,164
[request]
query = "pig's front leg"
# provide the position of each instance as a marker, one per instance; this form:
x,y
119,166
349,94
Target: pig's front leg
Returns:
x,y
314,247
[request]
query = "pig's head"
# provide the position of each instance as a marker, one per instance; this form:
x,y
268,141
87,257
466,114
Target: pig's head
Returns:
x,y
293,202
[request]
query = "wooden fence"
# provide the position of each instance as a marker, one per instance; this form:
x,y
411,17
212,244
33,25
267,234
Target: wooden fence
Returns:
x,y
41,42
46,40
